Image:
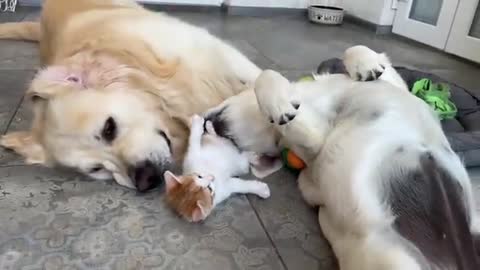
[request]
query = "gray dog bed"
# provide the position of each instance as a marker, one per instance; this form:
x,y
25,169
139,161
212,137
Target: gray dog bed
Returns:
x,y
463,132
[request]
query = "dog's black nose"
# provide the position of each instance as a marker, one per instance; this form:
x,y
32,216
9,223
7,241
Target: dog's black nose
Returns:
x,y
146,176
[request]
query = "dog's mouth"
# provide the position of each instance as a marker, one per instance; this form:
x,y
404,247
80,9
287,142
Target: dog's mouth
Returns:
x,y
147,175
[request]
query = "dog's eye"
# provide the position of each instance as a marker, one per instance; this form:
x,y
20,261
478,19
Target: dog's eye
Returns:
x,y
164,135
96,168
109,131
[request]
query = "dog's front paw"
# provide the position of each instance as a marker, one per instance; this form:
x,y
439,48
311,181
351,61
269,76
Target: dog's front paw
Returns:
x,y
364,64
274,98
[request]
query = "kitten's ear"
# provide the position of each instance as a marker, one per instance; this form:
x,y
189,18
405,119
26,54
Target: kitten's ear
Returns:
x,y
200,212
171,180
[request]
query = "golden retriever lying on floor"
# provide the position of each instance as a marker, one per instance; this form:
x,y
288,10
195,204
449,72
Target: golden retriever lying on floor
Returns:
x,y
117,84
120,81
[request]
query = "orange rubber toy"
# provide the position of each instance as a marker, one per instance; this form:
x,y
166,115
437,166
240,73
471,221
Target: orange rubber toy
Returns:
x,y
292,161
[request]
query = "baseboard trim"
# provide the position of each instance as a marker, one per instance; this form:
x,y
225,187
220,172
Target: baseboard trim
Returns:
x,y
29,3
184,8
378,29
244,11
263,11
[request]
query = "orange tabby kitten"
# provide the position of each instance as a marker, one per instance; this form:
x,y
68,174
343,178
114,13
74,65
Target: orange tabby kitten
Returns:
x,y
189,199
209,167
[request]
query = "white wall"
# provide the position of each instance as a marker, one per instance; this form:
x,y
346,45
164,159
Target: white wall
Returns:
x,y
388,14
184,2
179,2
269,3
374,11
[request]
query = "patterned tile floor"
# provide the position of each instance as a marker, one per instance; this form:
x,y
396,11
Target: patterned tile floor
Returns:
x,y
53,219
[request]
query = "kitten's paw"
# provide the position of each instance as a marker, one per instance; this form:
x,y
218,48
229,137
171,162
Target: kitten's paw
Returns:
x,y
197,120
364,64
274,97
197,123
209,127
263,190
253,157
263,165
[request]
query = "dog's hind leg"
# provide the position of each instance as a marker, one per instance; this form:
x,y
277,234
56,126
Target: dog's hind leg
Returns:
x,y
310,189
364,64
374,251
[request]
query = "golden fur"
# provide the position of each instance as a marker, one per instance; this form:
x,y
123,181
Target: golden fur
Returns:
x,y
113,58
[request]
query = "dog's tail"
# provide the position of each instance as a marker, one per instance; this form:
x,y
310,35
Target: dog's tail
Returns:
x,y
29,31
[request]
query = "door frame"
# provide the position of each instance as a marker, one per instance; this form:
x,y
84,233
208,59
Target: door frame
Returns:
x,y
433,35
460,42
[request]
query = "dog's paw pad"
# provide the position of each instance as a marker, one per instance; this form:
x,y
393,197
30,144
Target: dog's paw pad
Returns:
x,y
286,118
290,116
364,64
295,104
369,74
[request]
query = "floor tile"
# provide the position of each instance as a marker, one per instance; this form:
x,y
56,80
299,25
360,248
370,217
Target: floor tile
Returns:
x,y
293,226
295,75
294,44
212,21
475,177
249,51
32,16
13,16
466,77
12,88
60,219
18,55
20,121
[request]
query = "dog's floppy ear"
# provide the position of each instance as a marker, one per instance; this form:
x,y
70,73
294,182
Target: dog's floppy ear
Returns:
x,y
54,80
25,144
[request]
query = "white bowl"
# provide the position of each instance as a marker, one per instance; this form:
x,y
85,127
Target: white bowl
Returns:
x,y
325,15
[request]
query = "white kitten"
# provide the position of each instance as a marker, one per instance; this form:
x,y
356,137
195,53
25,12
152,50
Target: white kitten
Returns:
x,y
211,163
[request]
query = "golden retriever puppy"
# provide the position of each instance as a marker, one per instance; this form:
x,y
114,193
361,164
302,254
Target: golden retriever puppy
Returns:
x,y
117,84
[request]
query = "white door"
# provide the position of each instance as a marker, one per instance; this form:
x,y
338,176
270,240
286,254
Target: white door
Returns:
x,y
426,21
184,2
464,38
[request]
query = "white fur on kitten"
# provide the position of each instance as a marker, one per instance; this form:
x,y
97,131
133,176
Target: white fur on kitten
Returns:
x,y
211,155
